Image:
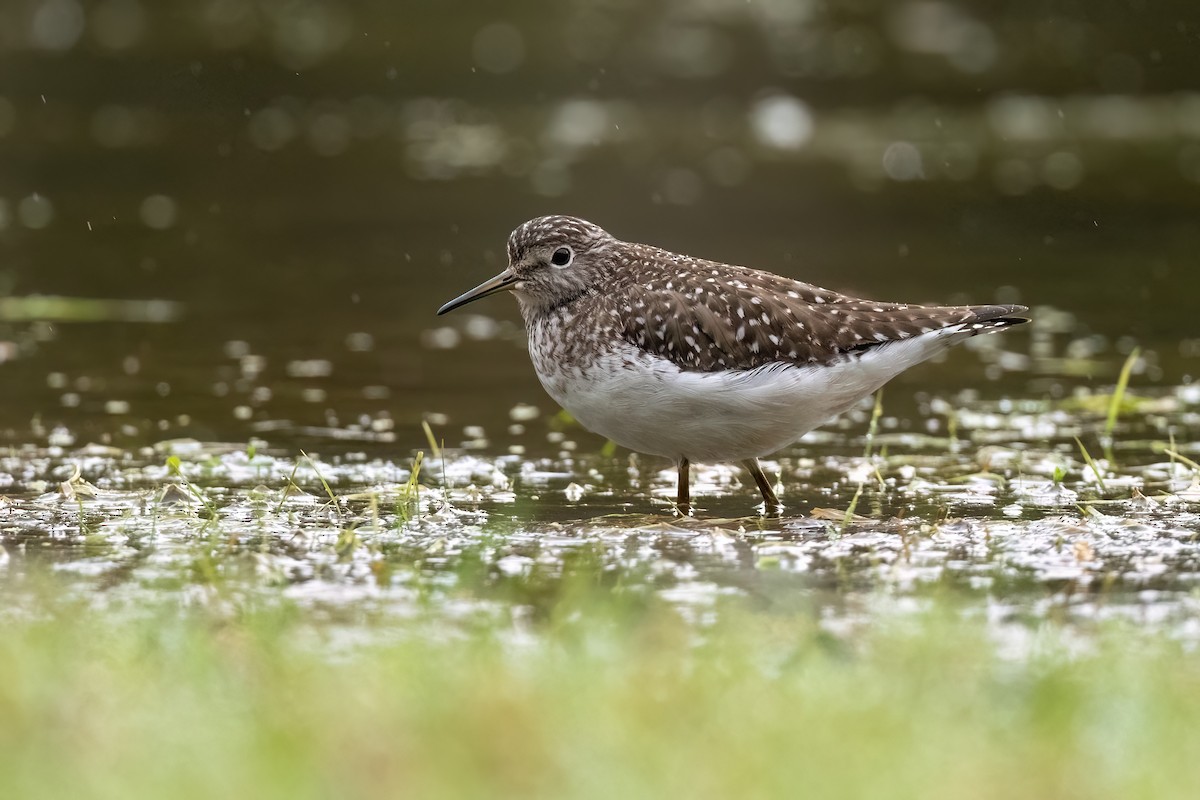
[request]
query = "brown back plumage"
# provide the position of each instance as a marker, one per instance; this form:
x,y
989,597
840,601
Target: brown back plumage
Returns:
x,y
708,316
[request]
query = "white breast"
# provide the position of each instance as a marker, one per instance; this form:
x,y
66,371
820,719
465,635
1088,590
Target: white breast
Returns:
x,y
647,404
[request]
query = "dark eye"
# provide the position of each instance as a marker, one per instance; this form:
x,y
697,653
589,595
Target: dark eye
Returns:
x,y
561,257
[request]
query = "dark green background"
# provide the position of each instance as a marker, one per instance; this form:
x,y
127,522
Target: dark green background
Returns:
x,y
291,250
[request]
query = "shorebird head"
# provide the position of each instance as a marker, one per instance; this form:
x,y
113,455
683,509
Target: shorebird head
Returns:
x,y
551,261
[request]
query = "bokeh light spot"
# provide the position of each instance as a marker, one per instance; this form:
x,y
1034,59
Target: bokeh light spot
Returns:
x,y
158,211
35,211
57,24
498,47
1062,170
782,121
902,162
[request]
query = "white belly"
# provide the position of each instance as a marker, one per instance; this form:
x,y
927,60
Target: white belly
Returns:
x,y
649,405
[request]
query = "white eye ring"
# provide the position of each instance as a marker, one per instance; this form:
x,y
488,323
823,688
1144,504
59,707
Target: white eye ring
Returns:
x,y
562,257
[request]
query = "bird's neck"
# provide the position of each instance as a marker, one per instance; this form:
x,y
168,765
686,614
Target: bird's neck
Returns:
x,y
535,308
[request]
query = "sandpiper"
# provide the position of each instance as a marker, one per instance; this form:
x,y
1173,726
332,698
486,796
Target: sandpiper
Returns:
x,y
701,361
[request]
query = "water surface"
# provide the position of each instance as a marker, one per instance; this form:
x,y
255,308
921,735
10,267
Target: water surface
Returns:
x,y
245,221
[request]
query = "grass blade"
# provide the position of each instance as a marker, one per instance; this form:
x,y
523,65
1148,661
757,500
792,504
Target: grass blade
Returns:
x,y
873,427
1091,462
850,511
1114,402
324,483
433,445
1177,456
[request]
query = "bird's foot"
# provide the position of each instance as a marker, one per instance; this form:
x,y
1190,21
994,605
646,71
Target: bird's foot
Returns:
x,y
770,509
684,510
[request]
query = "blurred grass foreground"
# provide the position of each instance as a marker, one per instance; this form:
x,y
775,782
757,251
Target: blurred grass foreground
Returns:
x,y
604,700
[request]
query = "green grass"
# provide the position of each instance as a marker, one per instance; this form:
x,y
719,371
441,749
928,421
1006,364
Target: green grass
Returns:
x,y
1116,401
606,699
1091,463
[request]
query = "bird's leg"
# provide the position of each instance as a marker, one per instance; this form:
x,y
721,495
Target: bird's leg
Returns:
x,y
684,498
769,499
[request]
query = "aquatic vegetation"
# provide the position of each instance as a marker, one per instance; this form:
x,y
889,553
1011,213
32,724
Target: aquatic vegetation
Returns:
x,y
1001,518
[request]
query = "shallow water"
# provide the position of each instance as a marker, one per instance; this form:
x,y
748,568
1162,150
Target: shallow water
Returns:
x,y
981,517
243,239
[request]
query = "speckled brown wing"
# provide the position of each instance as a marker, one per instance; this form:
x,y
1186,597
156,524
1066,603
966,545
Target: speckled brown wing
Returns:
x,y
712,316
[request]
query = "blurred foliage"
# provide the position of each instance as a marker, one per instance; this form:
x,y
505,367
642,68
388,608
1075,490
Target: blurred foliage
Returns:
x,y
262,702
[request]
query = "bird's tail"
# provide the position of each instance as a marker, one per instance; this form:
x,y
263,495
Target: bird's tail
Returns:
x,y
990,319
